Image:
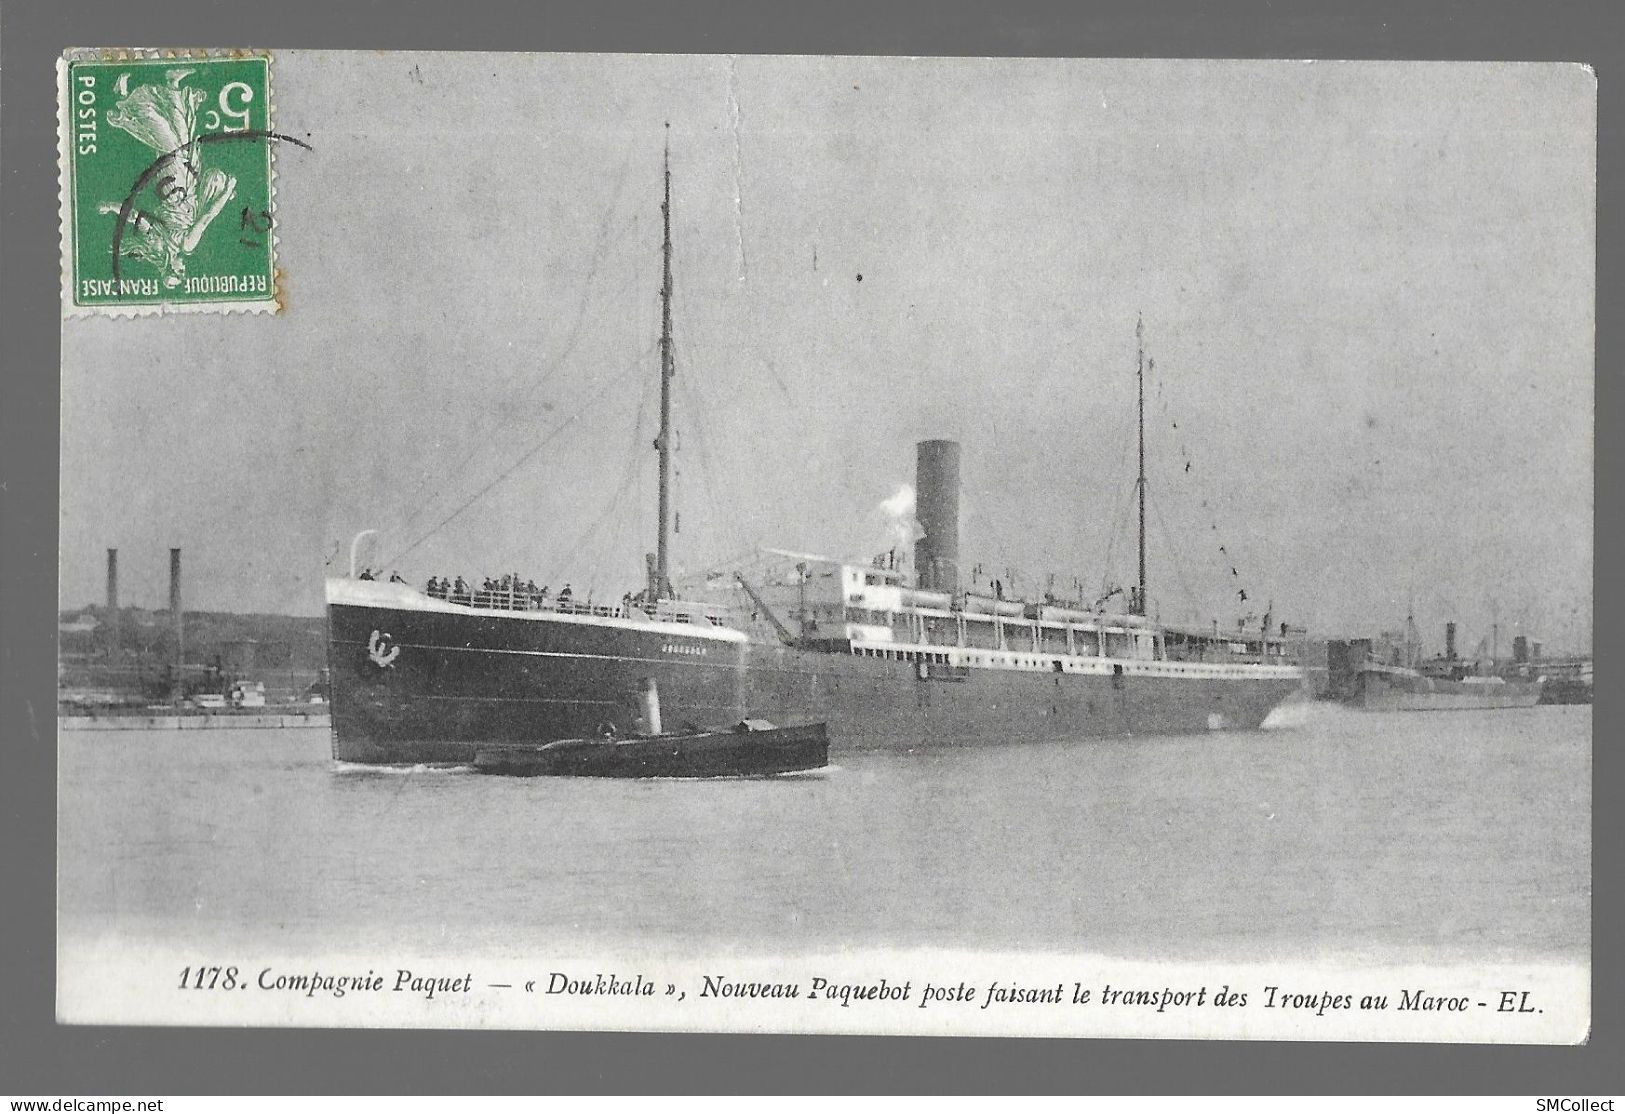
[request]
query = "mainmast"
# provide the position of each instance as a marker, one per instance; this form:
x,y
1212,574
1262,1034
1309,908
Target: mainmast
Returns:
x,y
660,585
1139,338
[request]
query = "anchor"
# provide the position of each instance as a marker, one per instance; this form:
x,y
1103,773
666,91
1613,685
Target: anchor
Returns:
x,y
381,652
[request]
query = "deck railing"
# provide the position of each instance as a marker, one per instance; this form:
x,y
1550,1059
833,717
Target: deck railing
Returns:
x,y
663,611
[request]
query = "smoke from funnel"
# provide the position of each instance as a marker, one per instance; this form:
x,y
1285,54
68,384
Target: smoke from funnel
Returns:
x,y
897,519
901,505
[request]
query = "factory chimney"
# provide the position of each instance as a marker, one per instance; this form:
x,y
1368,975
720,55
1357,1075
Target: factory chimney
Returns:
x,y
1450,641
936,505
178,626
112,617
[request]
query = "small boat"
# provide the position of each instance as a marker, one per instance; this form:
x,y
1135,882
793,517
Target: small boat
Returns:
x,y
1568,681
752,748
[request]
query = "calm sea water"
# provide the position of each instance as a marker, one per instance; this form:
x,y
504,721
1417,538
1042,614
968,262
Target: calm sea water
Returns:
x,y
1447,834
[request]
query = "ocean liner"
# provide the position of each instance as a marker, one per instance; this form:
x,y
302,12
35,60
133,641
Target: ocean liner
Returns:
x,y
888,660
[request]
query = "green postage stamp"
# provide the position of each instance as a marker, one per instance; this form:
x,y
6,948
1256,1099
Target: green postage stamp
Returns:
x,y
167,192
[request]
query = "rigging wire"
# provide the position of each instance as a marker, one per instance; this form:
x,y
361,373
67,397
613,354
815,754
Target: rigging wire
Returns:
x,y
1173,556
699,405
613,512
510,415
628,477
694,405
538,447
772,370
601,250
1121,507
599,559
1224,544
1169,544
557,430
1119,526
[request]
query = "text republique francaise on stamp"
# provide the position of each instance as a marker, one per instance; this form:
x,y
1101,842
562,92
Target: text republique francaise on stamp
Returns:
x,y
167,192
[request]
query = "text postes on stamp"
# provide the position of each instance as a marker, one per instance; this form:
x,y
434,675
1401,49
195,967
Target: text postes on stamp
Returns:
x,y
167,183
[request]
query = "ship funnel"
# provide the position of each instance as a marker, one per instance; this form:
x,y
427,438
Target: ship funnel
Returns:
x,y
1520,649
1450,641
936,502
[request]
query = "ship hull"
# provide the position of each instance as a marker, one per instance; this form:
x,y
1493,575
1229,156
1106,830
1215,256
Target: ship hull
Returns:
x,y
426,687
888,705
410,686
1401,692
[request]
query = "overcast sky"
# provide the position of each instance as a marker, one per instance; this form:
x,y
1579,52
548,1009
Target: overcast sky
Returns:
x,y
1367,288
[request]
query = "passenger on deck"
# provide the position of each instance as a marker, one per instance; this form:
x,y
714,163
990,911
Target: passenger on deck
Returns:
x,y
366,574
460,587
396,577
433,587
565,594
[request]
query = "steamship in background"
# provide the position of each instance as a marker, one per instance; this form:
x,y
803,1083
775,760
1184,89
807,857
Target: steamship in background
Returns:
x,y
1390,675
887,660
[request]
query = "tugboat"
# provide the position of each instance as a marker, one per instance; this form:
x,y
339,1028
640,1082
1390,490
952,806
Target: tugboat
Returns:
x,y
751,748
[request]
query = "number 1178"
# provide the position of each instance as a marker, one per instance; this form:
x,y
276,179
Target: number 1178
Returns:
x,y
208,978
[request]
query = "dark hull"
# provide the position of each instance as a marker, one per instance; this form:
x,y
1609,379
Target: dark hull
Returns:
x,y
885,705
712,754
462,681
1406,692
1565,692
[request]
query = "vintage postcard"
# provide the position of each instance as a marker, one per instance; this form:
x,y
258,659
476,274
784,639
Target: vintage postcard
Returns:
x,y
950,546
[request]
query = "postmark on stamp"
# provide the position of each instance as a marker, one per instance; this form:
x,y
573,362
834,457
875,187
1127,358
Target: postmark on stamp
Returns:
x,y
167,190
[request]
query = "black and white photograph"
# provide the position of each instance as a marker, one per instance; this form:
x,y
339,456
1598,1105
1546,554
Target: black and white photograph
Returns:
x,y
824,544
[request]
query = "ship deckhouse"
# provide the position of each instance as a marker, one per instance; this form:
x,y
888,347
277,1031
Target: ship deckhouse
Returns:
x,y
876,610
869,611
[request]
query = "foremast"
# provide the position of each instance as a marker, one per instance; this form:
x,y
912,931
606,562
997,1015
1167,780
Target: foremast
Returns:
x,y
660,574
1137,604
